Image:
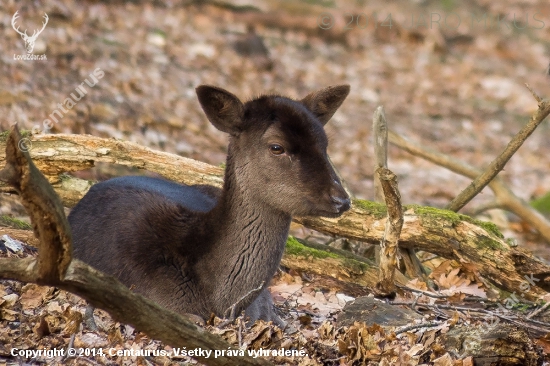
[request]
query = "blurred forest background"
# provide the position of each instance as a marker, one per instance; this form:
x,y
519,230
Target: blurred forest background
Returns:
x,y
450,75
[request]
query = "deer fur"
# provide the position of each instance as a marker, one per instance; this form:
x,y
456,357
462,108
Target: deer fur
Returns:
x,y
202,250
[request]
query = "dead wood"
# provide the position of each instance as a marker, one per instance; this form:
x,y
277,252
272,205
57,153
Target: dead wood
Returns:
x,y
55,267
440,232
44,208
299,256
343,268
413,267
500,161
499,345
392,231
380,133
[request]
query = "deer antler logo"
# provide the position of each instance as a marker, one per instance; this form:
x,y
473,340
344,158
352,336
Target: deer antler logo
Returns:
x,y
29,40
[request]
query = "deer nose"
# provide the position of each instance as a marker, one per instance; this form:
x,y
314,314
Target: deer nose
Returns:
x,y
339,197
342,204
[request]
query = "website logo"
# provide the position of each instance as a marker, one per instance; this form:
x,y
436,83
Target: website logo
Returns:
x,y
29,40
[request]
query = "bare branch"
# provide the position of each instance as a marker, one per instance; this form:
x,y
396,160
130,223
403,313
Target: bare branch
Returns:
x,y
380,132
44,208
535,95
487,206
498,164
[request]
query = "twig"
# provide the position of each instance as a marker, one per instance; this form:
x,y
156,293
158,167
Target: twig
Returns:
x,y
240,333
539,322
498,164
417,326
426,293
483,311
69,346
380,139
380,133
413,267
416,298
486,207
429,258
441,306
535,95
89,318
539,310
519,323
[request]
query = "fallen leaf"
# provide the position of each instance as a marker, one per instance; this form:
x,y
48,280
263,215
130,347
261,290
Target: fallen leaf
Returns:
x,y
32,296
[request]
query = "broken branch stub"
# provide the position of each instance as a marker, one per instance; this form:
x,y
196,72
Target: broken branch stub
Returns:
x,y
392,232
44,207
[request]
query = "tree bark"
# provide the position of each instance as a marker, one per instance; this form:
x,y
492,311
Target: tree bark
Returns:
x,y
394,224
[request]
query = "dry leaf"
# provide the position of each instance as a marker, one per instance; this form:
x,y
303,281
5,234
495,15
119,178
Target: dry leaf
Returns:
x,y
455,319
443,268
417,284
444,360
42,328
32,295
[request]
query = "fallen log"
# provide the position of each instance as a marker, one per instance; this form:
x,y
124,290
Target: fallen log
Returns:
x,y
441,232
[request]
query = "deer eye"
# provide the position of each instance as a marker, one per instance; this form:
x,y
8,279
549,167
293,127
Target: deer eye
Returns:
x,y
276,149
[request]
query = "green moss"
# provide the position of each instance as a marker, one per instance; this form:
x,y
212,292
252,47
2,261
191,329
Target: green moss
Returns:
x,y
521,306
484,242
14,223
454,218
294,247
435,215
4,135
378,210
489,227
355,266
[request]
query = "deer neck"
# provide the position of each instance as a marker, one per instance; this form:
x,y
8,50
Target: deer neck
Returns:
x,y
250,238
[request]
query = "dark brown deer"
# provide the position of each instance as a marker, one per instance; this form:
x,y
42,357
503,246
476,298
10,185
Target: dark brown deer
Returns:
x,y
201,250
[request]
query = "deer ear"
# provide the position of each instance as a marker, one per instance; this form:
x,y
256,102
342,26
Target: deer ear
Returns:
x,y
323,103
223,109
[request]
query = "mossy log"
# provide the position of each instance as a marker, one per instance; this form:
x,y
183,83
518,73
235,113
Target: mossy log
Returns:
x,y
441,232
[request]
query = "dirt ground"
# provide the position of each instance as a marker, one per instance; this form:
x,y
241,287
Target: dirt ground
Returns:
x,y
459,91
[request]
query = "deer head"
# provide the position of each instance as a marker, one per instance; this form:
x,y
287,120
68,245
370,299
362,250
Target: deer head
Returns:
x,y
29,40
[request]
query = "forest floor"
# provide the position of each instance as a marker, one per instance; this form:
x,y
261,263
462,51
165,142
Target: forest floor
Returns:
x,y
456,86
